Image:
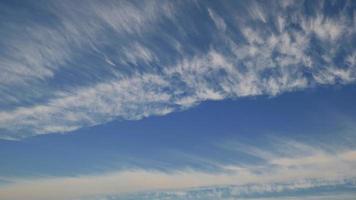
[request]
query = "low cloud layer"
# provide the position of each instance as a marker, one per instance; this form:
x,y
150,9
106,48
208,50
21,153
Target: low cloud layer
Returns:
x,y
299,167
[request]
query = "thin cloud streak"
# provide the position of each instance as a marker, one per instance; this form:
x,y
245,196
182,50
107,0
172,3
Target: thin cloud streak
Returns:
x,y
289,172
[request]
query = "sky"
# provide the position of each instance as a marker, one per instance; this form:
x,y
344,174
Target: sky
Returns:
x,y
178,100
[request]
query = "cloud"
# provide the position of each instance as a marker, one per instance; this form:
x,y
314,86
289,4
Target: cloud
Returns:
x,y
126,61
219,22
133,98
37,52
256,12
324,28
301,190
284,174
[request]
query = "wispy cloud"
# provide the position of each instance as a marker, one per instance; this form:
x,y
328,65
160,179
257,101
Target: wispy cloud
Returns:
x,y
290,172
311,190
121,60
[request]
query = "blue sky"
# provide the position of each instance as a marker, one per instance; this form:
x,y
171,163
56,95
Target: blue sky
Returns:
x,y
177,100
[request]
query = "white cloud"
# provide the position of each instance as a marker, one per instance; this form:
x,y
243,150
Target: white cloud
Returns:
x,y
129,98
136,53
142,79
351,59
324,28
219,22
292,171
36,51
257,13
